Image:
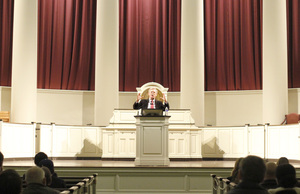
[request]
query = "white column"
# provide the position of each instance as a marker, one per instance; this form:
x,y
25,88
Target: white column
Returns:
x,y
275,81
107,61
192,59
24,62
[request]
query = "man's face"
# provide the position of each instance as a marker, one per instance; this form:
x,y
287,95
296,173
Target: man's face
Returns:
x,y
152,93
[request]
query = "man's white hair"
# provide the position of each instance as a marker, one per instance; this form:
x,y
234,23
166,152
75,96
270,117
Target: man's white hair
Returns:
x,y
34,175
153,88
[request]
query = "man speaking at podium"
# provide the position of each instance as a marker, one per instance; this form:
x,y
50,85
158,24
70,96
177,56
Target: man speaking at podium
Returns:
x,y
150,103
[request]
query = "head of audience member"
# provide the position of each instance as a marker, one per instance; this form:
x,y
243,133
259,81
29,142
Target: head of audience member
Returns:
x,y
47,163
10,182
48,175
152,93
252,169
39,157
282,160
1,162
235,171
286,176
270,171
35,175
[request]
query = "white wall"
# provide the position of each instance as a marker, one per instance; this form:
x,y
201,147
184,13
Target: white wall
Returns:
x,y
60,107
5,99
293,100
238,108
222,108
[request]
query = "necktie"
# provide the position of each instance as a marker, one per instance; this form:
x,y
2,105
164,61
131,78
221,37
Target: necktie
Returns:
x,y
151,105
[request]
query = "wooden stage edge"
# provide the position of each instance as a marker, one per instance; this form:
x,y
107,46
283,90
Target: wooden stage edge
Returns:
x,y
123,176
64,162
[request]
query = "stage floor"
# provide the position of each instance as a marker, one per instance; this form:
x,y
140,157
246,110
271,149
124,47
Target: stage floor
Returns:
x,y
129,164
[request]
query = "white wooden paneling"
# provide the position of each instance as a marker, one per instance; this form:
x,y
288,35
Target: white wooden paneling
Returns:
x,y
225,139
177,144
85,141
238,145
90,142
224,142
194,144
71,141
17,140
108,144
256,140
46,139
74,135
283,141
60,141
209,142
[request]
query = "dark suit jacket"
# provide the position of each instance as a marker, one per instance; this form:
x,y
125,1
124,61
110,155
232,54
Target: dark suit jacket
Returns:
x,y
35,188
57,182
143,104
247,187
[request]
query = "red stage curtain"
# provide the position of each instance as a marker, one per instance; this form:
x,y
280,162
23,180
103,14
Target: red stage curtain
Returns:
x,y
149,43
66,44
293,31
6,33
233,45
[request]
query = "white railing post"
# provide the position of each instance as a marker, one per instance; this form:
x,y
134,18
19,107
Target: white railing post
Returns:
x,y
52,139
247,136
266,127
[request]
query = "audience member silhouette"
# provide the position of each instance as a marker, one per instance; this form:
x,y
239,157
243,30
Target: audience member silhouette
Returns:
x,y
39,157
286,178
270,181
36,182
1,162
56,181
252,171
234,173
10,182
282,160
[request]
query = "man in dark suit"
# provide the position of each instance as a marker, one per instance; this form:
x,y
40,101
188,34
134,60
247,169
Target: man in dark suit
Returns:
x,y
251,172
151,103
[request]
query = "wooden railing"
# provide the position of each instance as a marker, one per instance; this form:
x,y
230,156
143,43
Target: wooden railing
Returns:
x,y
221,185
77,184
80,185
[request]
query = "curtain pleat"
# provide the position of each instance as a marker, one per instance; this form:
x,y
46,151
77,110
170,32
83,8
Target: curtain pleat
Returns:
x,y
233,45
293,33
66,44
6,35
149,37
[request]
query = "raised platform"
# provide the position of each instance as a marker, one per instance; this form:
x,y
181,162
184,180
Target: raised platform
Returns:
x,y
124,177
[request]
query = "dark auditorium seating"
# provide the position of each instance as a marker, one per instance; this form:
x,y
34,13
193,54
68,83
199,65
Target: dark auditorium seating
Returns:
x,y
80,185
221,185
77,184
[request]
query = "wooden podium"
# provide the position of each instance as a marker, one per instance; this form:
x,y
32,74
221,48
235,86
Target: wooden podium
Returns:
x,y
152,140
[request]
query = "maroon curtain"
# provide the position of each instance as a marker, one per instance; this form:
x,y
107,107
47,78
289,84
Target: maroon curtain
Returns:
x,y
293,33
6,33
66,44
233,44
149,43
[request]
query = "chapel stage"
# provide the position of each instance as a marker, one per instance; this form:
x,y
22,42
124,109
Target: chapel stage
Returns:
x,y
124,163
120,176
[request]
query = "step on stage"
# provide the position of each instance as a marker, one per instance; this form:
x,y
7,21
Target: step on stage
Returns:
x,y
124,177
